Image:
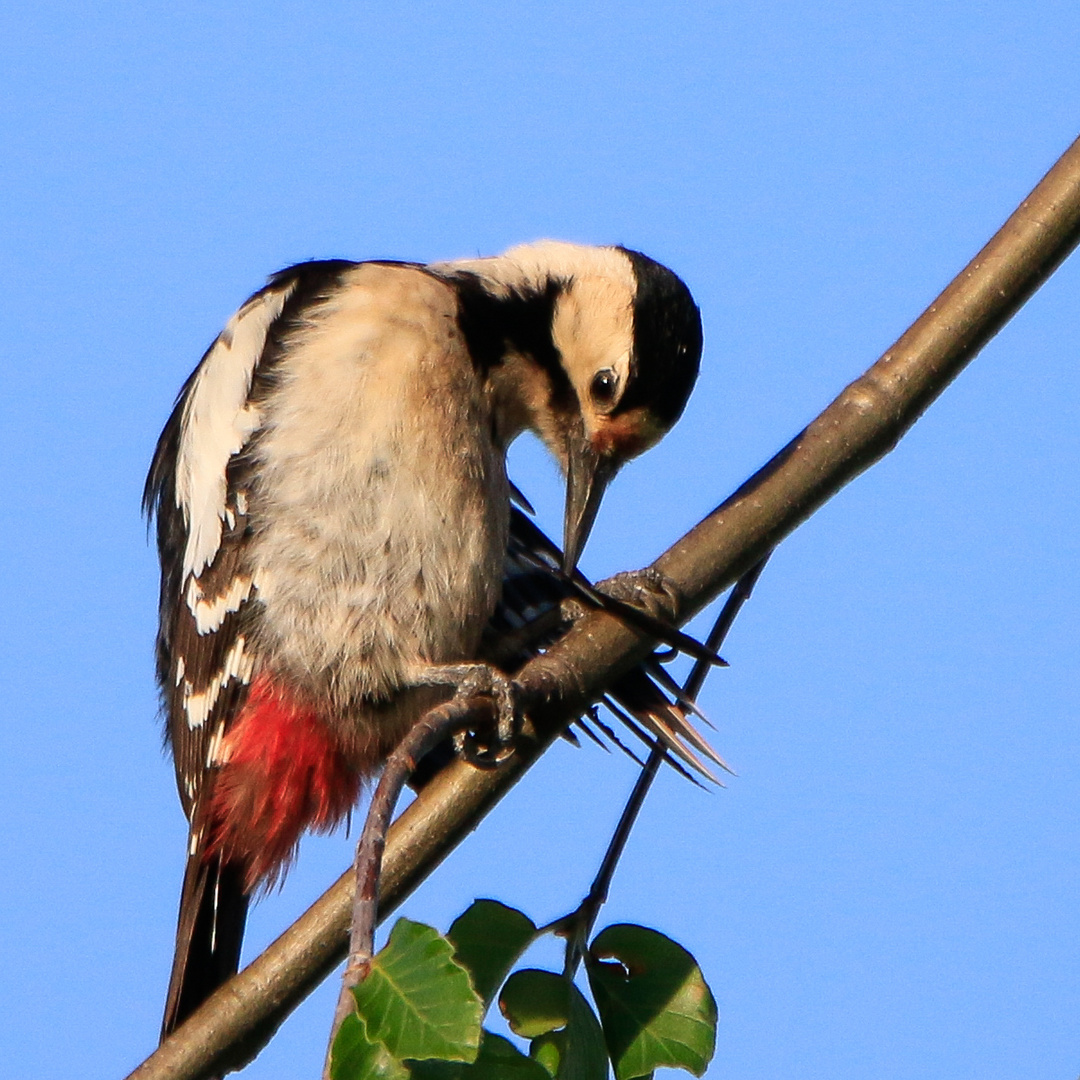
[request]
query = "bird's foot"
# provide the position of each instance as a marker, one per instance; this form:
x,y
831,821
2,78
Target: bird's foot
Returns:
x,y
646,589
489,748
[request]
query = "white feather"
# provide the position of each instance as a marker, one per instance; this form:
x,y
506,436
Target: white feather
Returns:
x,y
218,422
209,614
238,665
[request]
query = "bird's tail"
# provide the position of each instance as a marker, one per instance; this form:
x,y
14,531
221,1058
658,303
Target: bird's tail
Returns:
x,y
210,929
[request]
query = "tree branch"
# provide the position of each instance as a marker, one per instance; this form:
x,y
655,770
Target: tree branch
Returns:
x,y
858,428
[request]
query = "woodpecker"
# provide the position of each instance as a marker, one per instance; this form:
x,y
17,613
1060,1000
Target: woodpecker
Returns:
x,y
333,519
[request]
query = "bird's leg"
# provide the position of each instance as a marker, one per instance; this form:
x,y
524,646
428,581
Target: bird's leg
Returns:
x,y
432,727
469,680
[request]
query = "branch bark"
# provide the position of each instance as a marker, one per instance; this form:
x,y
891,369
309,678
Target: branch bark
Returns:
x,y
863,424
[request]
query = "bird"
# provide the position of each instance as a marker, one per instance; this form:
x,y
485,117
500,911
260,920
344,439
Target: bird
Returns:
x,y
333,519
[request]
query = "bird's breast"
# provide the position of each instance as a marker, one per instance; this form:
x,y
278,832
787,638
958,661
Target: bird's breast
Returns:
x,y
380,512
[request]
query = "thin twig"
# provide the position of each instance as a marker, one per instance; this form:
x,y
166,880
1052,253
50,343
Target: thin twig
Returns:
x,y
423,736
744,587
580,924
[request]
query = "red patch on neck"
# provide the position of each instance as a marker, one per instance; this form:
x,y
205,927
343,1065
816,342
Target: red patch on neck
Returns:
x,y
283,772
625,435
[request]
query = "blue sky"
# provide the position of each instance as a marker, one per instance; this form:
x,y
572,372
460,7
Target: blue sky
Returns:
x,y
891,885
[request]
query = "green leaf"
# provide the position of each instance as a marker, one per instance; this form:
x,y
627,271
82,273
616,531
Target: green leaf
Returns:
x,y
417,1000
501,1058
549,1050
498,1059
436,1070
536,1003
488,938
654,1003
586,1056
355,1057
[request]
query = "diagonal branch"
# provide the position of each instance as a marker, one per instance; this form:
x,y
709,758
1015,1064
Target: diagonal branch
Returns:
x,y
858,428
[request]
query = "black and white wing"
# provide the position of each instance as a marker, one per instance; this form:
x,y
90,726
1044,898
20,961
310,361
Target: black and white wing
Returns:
x,y
198,489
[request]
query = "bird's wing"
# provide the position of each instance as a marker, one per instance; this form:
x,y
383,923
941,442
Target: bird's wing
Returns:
x,y
198,489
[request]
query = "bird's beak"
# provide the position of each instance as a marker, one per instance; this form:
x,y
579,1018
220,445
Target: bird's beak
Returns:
x,y
588,474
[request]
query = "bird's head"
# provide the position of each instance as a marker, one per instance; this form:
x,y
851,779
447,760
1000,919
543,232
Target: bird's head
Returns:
x,y
630,342
602,348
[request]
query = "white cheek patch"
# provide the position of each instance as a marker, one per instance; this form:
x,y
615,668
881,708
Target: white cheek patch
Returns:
x,y
210,614
593,329
198,706
217,423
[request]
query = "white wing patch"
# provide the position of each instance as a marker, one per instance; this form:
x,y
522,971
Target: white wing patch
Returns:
x,y
210,614
218,422
213,749
199,706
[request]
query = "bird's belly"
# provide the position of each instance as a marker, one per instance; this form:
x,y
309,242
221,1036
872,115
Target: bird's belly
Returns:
x,y
358,588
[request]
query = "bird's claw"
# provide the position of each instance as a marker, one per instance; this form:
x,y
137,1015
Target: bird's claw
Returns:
x,y
483,751
647,589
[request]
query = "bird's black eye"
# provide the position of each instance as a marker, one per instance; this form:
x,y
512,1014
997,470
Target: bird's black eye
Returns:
x,y
603,387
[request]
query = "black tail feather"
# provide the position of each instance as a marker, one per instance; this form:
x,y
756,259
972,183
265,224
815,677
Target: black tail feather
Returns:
x,y
210,930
